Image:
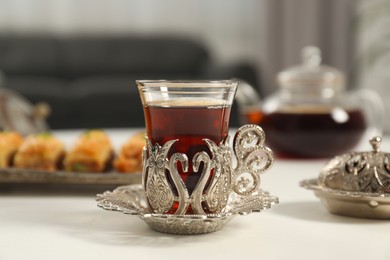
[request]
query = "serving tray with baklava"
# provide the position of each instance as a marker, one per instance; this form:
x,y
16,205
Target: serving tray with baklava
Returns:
x,y
17,175
43,158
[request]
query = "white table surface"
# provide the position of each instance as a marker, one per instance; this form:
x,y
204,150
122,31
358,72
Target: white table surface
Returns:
x,y
70,226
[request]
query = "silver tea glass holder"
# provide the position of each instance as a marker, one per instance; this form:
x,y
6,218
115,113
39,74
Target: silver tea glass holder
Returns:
x,y
227,186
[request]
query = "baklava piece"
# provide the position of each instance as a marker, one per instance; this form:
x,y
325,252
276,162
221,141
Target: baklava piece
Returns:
x,y
9,144
92,152
41,152
130,156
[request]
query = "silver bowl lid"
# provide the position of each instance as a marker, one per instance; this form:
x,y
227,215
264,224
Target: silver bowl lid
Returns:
x,y
367,172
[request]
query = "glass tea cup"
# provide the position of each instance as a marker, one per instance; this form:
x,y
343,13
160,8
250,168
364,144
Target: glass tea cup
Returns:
x,y
183,120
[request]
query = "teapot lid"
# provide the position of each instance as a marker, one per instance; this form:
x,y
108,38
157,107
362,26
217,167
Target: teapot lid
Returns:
x,y
311,73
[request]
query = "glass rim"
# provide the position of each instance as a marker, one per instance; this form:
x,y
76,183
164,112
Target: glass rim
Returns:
x,y
183,84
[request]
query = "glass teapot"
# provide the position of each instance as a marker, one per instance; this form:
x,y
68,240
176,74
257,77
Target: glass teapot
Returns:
x,y
312,115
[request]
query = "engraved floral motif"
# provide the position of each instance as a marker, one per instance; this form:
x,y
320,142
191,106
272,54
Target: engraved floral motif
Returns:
x,y
157,188
360,172
220,187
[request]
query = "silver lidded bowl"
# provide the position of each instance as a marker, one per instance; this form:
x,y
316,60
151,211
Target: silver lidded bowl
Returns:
x,y
355,184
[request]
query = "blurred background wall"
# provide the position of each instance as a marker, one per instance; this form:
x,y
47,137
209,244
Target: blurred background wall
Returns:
x,y
293,24
372,51
232,29
268,33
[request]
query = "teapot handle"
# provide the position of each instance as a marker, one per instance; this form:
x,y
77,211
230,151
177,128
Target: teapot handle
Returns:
x,y
374,109
249,103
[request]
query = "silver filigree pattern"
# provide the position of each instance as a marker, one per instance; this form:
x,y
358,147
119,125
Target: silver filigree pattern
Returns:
x,y
220,187
131,200
359,171
157,188
221,191
253,158
197,196
159,192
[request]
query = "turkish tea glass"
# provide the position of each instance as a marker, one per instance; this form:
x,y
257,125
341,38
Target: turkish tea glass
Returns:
x,y
185,121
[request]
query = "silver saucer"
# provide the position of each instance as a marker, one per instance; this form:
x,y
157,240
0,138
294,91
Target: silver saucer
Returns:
x,y
351,203
131,200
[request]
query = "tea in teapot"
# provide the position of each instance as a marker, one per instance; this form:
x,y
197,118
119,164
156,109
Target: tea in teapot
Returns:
x,y
312,115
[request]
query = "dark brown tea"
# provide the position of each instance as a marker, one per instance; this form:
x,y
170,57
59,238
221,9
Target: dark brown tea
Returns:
x,y
313,134
190,124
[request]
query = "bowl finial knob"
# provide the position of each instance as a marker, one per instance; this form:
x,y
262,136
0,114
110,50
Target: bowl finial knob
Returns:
x,y
375,143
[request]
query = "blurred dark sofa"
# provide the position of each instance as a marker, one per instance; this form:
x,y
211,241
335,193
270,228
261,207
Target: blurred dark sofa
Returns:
x,y
89,81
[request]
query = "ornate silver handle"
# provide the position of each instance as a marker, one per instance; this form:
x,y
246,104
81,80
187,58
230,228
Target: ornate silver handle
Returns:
x,y
253,158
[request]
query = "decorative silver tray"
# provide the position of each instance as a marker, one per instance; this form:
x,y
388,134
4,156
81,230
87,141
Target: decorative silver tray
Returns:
x,y
131,200
351,203
17,175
